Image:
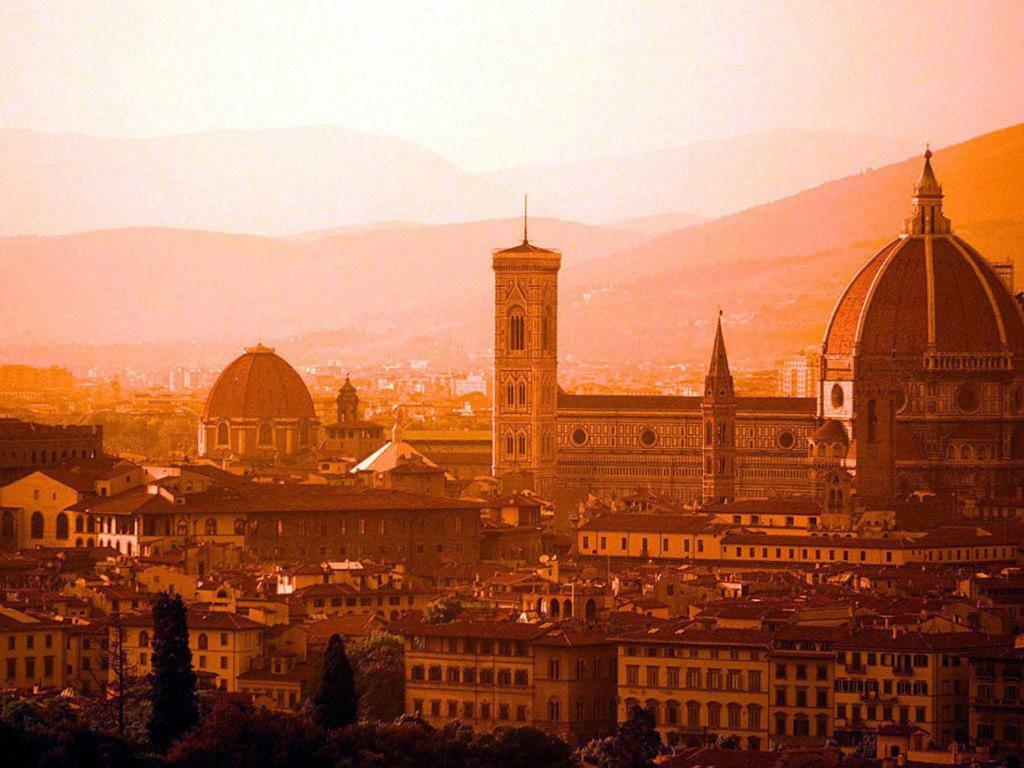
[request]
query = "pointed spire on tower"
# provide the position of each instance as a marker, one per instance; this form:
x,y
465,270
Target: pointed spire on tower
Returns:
x,y
719,359
927,185
526,240
927,218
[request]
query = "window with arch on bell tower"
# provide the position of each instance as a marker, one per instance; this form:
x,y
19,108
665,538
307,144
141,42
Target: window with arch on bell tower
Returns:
x,y
516,330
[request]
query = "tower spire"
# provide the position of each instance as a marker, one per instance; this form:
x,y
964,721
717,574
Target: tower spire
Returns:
x,y
927,218
719,368
526,240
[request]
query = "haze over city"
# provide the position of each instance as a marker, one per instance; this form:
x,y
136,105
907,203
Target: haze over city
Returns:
x,y
533,385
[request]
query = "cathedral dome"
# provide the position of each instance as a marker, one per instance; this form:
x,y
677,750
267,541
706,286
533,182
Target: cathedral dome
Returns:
x,y
259,385
927,291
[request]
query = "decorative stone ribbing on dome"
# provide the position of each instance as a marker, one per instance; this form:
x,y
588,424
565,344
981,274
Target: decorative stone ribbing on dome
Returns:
x,y
927,218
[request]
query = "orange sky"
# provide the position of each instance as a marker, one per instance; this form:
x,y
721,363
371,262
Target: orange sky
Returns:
x,y
489,85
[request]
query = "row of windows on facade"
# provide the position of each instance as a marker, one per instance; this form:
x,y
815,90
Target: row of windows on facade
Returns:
x,y
696,679
360,550
30,668
52,457
517,330
380,527
264,434
468,710
670,713
596,670
517,445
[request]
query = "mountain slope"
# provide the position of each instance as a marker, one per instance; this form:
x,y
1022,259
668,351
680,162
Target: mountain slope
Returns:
x,y
129,285
777,269
265,182
306,179
708,178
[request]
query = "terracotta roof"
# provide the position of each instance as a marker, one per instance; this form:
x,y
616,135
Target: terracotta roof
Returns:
x,y
884,639
259,385
488,630
793,505
768,540
134,501
314,498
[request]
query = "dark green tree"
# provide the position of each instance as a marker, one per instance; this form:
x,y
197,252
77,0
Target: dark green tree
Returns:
x,y
442,610
635,744
174,683
335,702
379,667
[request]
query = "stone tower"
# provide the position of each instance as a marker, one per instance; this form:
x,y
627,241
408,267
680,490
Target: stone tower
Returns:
x,y
718,409
348,403
525,365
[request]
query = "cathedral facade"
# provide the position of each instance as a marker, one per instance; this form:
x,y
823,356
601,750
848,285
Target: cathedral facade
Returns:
x,y
921,390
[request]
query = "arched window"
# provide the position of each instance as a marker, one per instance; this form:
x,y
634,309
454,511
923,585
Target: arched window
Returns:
x,y
522,394
36,526
554,710
554,609
714,714
79,524
182,528
546,329
510,395
7,525
693,714
62,526
204,642
239,527
872,421
510,445
266,434
590,612
671,712
304,434
522,445
753,717
211,526
708,433
222,433
733,716
516,330
143,639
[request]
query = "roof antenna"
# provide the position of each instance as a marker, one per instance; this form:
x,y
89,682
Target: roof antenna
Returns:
x,y
526,240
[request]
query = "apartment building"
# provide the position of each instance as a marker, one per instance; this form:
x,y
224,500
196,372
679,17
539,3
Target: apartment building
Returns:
x,y
493,674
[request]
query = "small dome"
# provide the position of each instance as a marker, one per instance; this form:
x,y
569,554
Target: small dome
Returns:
x,y
831,431
259,385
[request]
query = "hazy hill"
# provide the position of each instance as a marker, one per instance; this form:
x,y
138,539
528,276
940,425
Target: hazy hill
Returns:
x,y
314,179
265,182
708,178
121,286
776,270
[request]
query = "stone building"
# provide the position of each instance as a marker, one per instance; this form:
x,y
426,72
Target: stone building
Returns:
x,y
25,446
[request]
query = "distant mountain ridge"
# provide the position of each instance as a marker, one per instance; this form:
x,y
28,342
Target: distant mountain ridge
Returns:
x,y
308,179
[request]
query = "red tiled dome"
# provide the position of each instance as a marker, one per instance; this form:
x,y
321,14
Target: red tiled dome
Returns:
x,y
259,385
888,306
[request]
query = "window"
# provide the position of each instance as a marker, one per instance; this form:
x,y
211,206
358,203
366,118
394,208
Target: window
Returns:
x,y
266,434
554,670
211,526
204,641
554,710
754,717
143,639
516,330
222,433
36,525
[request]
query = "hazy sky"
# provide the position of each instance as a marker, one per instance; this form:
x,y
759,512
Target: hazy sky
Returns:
x,y
502,83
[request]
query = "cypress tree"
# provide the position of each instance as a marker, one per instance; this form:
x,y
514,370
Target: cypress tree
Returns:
x,y
174,683
335,702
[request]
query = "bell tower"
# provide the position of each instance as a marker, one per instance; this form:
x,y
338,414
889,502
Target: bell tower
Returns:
x,y
718,410
525,365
